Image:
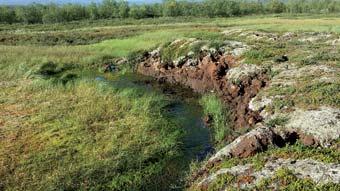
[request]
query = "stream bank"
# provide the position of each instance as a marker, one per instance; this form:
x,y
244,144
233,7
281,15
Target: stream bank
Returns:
x,y
184,107
213,72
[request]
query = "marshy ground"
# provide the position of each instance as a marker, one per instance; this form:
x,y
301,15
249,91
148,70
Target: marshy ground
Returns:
x,y
60,128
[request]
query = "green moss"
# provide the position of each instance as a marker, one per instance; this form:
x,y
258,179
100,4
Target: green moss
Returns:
x,y
278,121
320,94
260,54
314,94
222,182
326,55
284,179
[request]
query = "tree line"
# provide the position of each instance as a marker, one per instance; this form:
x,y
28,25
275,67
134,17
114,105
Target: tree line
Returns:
x,y
109,9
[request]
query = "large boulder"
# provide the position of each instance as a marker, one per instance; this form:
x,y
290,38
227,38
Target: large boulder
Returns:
x,y
247,145
323,124
237,74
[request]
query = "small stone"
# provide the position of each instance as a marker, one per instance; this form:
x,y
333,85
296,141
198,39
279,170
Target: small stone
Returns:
x,y
180,61
251,121
191,54
208,120
308,140
280,59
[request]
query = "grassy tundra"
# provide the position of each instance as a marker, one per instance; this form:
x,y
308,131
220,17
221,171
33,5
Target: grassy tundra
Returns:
x,y
62,130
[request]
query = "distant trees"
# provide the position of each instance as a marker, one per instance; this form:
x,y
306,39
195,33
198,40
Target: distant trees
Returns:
x,y
93,11
109,9
137,12
171,8
123,9
313,6
29,14
247,8
222,8
7,15
276,6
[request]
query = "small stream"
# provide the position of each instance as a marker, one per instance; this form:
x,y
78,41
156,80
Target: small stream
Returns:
x,y
197,142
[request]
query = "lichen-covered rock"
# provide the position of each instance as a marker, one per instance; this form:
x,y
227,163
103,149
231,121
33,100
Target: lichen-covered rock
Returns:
x,y
190,54
314,37
155,53
239,51
257,36
318,172
235,48
235,171
205,48
191,63
180,61
230,32
243,71
289,74
323,124
288,36
246,145
257,104
234,44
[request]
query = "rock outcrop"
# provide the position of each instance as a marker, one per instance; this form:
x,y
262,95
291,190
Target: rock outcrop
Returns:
x,y
247,145
318,172
321,125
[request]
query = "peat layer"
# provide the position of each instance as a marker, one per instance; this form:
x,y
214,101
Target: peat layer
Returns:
x,y
209,73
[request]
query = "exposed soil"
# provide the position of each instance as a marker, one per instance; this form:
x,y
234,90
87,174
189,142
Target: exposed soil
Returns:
x,y
209,75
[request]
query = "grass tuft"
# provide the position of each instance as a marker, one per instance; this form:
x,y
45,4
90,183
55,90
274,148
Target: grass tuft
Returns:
x,y
213,107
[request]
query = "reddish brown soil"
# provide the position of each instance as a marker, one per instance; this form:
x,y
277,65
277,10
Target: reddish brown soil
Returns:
x,y
210,75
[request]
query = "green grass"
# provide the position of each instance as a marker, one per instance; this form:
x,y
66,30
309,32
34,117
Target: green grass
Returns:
x,y
59,129
302,22
86,135
213,107
89,32
146,41
266,51
78,134
75,37
122,47
62,130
